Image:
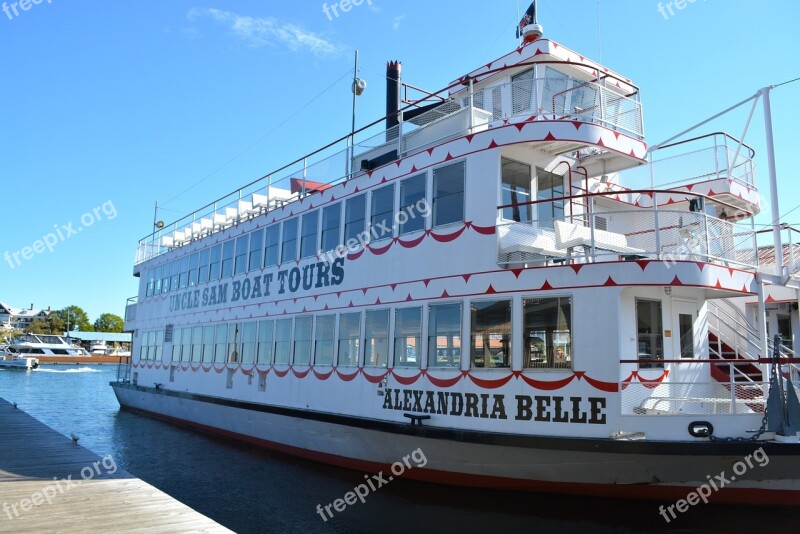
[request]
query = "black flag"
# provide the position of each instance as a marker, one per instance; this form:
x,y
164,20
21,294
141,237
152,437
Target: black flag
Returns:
x,y
528,18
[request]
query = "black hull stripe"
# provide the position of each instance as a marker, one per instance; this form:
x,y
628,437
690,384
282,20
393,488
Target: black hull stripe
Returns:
x,y
670,448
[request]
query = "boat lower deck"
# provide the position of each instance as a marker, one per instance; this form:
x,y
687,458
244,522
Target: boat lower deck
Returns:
x,y
49,483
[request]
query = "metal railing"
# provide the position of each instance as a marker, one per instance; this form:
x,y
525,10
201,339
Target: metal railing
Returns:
x,y
711,157
130,309
571,229
552,98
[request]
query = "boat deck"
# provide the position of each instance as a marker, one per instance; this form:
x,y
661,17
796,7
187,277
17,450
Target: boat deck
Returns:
x,y
35,495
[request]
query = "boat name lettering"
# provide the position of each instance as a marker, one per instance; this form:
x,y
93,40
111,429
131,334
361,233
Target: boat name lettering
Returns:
x,y
314,276
540,408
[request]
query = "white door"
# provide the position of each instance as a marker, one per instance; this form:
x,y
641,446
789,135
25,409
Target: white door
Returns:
x,y
684,333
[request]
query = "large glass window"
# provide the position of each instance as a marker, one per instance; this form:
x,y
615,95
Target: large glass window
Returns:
x,y
151,276
444,335
349,335
208,344
376,338
215,261
331,222
184,280
308,241
547,333
686,332
549,186
202,269
448,194
283,340
412,196
382,216
272,245
302,340
221,344
516,190
491,333
354,214
242,250
248,342
256,250
165,278
186,345
197,344
407,333
227,258
265,341
194,261
175,269
650,332
522,91
289,243
234,340
324,340
176,344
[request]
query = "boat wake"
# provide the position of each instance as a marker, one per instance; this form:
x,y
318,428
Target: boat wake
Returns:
x,y
79,370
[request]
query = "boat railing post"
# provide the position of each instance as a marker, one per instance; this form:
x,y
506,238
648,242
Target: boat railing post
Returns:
x,y
471,104
732,367
305,173
269,186
656,225
399,135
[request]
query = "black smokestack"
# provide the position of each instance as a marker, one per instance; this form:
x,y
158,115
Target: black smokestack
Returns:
x,y
393,76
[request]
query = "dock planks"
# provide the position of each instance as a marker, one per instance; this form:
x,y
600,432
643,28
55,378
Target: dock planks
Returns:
x,y
35,460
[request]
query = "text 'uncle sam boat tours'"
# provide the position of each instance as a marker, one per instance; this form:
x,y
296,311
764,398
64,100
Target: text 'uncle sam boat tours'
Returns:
x,y
484,283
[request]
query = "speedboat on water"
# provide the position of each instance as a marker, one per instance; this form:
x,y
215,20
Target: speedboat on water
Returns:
x,y
9,361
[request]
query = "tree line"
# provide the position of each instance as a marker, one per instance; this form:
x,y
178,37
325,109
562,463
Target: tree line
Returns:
x,y
72,318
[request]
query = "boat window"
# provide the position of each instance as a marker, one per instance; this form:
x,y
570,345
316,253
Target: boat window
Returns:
x,y
221,344
412,198
256,250
208,344
248,342
226,269
407,333
323,340
197,344
382,216
174,275
62,352
234,338
354,217
159,344
376,338
216,260
289,245
144,348
302,340
184,274
547,333
308,239
150,282
165,278
271,245
331,223
242,249
349,335
650,332
283,340
157,281
516,190
686,331
491,333
522,87
186,346
176,344
202,269
265,341
549,186
444,335
448,194
193,263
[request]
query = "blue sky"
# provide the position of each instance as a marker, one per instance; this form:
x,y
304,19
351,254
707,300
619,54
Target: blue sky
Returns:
x,y
117,105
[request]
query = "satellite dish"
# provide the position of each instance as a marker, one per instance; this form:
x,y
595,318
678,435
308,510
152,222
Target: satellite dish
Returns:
x,y
358,86
160,225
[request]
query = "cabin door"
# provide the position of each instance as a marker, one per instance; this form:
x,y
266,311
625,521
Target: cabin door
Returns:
x,y
684,332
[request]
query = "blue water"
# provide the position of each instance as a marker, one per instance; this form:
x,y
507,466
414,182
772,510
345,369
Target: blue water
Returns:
x,y
251,490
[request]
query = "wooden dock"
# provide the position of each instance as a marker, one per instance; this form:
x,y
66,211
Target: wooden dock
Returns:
x,y
50,484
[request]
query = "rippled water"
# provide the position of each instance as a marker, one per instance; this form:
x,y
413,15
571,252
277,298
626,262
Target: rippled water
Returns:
x,y
251,490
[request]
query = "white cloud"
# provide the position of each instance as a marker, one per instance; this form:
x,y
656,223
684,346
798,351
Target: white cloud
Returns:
x,y
262,31
397,21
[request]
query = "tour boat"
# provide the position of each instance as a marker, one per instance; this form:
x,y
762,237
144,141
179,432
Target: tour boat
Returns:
x,y
504,275
52,349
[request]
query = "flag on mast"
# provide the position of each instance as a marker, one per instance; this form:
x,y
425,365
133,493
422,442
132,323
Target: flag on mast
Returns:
x,y
528,18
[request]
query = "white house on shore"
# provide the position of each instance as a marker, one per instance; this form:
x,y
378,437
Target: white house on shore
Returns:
x,y
19,318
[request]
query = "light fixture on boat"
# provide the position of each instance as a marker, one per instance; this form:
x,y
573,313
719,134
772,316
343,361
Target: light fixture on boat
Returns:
x,y
667,290
159,224
358,86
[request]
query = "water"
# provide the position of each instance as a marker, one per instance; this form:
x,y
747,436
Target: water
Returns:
x,y
251,490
